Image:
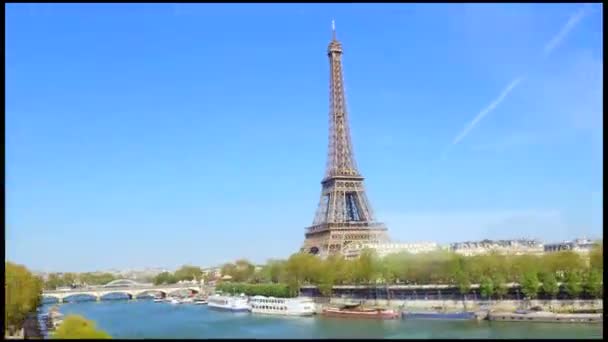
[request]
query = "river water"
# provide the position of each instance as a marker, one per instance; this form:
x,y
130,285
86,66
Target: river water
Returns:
x,y
146,319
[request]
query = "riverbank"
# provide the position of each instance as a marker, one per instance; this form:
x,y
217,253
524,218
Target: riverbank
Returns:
x,y
546,317
502,306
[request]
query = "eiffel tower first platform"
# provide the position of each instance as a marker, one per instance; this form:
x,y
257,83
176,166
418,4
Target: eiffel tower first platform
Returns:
x,y
344,215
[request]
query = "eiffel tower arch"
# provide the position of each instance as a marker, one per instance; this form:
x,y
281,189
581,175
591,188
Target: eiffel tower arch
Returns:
x,y
344,214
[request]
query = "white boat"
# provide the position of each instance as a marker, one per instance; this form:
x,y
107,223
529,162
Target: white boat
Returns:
x,y
187,300
158,300
282,306
200,302
175,301
234,304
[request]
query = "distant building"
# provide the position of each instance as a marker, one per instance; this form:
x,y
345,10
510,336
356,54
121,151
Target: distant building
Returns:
x,y
578,245
511,247
353,251
213,272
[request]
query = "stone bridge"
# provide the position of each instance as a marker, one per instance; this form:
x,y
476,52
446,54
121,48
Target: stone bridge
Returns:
x,y
130,288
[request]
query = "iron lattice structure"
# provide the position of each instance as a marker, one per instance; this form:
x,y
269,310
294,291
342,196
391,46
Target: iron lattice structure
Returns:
x,y
344,214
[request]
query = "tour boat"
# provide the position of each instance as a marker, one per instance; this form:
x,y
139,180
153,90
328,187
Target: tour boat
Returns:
x,y
282,306
200,302
355,311
234,304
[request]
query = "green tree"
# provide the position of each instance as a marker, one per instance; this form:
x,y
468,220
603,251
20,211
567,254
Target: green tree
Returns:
x,y
500,288
366,267
244,270
276,270
486,287
78,327
463,282
550,286
596,257
573,284
593,284
23,294
189,273
164,278
53,282
530,284
69,279
301,268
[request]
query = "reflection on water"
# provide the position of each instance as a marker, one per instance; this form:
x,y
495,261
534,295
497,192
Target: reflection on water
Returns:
x,y
146,319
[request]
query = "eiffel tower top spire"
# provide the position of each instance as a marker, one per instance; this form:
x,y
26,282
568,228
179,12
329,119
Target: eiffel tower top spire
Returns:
x,y
340,160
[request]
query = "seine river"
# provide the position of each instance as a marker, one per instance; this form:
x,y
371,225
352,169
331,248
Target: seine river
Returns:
x,y
146,319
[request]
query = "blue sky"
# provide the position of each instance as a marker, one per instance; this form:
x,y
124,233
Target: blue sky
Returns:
x,y
158,135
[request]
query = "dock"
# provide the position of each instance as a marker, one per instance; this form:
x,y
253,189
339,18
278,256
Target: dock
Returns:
x,y
545,317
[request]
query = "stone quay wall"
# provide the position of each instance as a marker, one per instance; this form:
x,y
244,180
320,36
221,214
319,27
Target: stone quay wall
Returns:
x,y
470,305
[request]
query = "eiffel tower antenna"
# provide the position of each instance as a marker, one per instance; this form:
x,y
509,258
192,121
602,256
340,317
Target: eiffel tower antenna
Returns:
x,y
344,215
333,29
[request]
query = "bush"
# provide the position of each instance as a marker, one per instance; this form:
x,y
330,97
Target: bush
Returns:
x,y
268,290
78,327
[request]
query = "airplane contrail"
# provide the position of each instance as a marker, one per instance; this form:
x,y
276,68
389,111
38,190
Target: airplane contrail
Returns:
x,y
570,24
488,109
549,47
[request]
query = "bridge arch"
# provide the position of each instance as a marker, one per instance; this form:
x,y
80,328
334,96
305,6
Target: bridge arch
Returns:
x,y
69,296
104,295
136,294
190,289
46,297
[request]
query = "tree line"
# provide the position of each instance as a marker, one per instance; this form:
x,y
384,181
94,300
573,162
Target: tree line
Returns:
x,y
23,295
573,272
186,272
69,279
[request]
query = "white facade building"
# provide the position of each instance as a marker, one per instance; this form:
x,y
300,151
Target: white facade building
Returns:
x,y
513,247
383,249
583,246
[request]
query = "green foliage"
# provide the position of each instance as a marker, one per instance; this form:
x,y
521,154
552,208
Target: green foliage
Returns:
x,y
593,284
268,290
77,327
22,291
439,267
188,273
500,288
486,287
550,285
596,257
366,270
530,284
56,280
573,283
463,282
241,270
301,268
164,278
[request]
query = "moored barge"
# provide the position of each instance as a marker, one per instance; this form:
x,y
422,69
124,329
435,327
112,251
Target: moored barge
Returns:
x,y
356,311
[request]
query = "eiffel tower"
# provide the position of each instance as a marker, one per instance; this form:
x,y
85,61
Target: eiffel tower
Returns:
x,y
344,215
